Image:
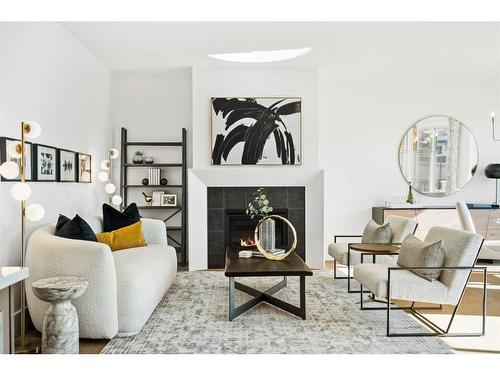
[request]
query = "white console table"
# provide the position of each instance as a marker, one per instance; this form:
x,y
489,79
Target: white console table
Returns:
x,y
8,277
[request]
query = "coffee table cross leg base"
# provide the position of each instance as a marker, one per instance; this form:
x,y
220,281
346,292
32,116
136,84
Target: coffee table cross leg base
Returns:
x,y
265,296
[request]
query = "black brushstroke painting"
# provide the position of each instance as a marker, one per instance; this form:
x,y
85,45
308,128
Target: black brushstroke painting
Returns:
x,y
256,122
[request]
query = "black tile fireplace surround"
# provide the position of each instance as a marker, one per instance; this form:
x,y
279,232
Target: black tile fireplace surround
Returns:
x,y
226,204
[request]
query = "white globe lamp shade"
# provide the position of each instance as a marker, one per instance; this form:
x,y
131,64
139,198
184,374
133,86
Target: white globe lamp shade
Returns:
x,y
21,191
110,188
34,129
103,176
9,170
35,212
105,165
14,149
116,200
114,153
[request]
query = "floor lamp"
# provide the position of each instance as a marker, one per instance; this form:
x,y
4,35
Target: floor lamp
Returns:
x,y
106,175
21,191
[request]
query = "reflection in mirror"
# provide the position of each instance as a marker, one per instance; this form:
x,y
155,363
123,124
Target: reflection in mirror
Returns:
x,y
438,155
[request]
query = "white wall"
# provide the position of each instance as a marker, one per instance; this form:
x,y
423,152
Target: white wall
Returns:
x,y
241,82
364,115
48,76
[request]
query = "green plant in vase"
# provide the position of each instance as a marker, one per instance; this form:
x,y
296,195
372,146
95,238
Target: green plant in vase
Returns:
x,y
261,208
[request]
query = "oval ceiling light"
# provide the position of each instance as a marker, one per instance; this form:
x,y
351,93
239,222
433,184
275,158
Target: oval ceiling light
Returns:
x,y
262,56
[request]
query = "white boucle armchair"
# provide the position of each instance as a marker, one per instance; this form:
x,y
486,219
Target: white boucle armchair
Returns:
x,y
124,287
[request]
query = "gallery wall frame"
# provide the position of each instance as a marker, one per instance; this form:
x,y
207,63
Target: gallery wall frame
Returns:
x,y
44,163
259,130
67,165
84,165
4,141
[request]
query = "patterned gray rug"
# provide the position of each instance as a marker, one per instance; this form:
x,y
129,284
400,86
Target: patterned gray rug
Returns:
x,y
192,318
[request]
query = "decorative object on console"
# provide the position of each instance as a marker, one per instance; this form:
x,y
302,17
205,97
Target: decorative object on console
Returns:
x,y
112,219
148,160
410,197
431,156
123,238
493,171
169,200
66,170
45,163
145,181
21,191
75,229
106,175
60,326
84,168
275,121
137,158
9,155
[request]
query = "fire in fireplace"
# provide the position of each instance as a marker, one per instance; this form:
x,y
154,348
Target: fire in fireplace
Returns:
x,y
239,230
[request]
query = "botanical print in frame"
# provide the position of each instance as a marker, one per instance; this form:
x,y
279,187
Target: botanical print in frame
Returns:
x,y
66,166
258,130
4,156
84,168
45,163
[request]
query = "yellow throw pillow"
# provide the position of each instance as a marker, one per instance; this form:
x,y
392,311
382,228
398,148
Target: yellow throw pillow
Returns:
x,y
123,238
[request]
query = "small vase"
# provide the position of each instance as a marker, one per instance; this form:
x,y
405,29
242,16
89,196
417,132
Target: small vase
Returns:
x,y
137,159
267,234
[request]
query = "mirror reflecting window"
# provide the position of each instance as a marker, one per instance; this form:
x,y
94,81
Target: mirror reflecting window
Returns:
x,y
438,155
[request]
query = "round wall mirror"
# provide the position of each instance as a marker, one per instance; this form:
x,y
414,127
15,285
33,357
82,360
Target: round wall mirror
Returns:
x,y
438,155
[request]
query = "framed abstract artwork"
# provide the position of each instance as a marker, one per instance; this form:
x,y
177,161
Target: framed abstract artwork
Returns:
x,y
66,169
45,163
84,168
4,156
256,131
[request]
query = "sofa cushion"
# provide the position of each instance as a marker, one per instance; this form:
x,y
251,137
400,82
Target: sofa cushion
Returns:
x,y
75,229
417,253
123,238
375,233
114,219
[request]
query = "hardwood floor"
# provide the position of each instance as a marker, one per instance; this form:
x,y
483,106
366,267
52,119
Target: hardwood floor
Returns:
x,y
468,318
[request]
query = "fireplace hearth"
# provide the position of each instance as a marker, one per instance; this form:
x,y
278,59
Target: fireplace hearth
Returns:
x,y
228,224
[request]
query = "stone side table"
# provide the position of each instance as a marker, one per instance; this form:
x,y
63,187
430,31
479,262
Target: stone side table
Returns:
x,y
60,326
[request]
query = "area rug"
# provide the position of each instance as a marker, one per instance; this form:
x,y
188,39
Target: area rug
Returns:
x,y
193,318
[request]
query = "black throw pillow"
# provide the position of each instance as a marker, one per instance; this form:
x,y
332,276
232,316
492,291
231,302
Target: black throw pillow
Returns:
x,y
75,229
112,219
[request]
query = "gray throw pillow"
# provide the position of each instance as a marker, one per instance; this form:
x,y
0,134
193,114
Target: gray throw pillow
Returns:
x,y
375,233
417,253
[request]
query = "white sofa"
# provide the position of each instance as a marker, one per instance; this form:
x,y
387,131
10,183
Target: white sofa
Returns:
x,y
124,288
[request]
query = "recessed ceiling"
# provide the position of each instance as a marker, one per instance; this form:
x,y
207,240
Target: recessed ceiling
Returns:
x,y
375,46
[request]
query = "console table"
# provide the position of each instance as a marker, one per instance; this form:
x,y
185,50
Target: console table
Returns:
x,y
486,219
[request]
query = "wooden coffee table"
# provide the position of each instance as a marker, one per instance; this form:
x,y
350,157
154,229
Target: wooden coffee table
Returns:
x,y
292,265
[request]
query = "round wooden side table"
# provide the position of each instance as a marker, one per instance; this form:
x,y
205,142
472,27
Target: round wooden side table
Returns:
x,y
60,325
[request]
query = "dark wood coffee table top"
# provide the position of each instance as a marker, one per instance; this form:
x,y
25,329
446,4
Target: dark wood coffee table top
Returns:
x,y
375,248
292,265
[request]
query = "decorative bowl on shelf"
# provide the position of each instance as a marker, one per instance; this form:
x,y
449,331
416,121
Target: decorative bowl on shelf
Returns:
x,y
148,160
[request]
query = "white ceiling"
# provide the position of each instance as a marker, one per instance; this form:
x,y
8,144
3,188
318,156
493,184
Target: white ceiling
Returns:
x,y
455,47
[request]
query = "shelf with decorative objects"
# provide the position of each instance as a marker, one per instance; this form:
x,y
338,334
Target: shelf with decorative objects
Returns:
x,y
170,207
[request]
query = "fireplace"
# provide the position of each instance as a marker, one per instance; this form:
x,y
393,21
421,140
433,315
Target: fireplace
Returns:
x,y
228,203
239,230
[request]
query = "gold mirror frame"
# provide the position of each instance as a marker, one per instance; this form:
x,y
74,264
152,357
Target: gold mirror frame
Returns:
x,y
263,251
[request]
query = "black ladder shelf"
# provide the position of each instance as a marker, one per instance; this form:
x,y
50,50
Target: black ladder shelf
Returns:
x,y
181,247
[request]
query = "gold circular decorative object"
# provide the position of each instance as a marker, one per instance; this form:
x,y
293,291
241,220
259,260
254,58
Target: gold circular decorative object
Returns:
x,y
263,251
